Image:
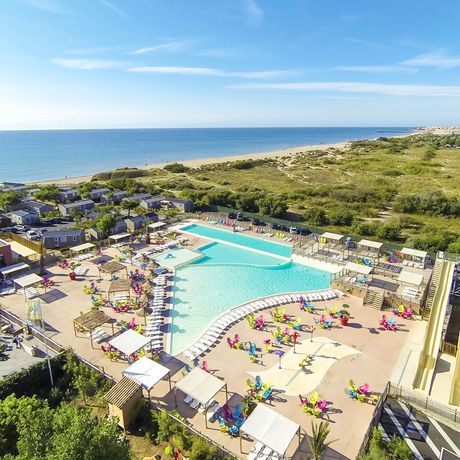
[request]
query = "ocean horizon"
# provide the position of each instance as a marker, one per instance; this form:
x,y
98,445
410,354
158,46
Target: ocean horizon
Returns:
x,y
28,156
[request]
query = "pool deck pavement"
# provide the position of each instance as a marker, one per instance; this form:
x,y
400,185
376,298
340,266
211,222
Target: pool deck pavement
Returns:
x,y
377,352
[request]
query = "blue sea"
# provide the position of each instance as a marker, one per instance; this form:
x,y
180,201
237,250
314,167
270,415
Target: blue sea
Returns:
x,y
28,156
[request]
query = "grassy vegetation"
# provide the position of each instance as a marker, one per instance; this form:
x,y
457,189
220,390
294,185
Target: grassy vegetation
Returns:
x,y
363,190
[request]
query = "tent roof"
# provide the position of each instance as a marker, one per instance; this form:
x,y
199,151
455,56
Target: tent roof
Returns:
x,y
358,268
410,277
122,392
112,267
270,428
119,236
92,319
414,253
370,244
120,286
157,225
129,342
82,247
14,268
200,385
332,236
147,372
28,280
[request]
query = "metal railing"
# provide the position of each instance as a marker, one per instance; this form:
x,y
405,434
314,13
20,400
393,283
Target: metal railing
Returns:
x,y
426,403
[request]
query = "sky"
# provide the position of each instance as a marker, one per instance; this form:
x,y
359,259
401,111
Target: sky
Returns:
x,y
209,63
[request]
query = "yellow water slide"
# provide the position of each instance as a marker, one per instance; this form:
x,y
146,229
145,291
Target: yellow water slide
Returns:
x,y
430,350
455,388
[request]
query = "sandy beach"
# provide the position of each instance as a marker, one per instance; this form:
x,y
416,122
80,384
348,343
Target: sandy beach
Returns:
x,y
196,163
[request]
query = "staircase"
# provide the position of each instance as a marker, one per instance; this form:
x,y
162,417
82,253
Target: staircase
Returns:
x,y
373,299
434,283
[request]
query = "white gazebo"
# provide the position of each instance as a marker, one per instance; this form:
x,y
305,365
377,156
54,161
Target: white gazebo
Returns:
x,y
129,342
119,237
332,238
156,225
147,372
270,429
369,245
26,281
82,248
358,268
15,268
201,386
414,255
407,277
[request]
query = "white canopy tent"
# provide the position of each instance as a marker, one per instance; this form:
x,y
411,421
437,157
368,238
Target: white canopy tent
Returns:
x,y
129,342
408,277
332,236
119,236
156,225
28,280
147,372
82,247
10,269
358,268
201,386
370,244
409,254
271,429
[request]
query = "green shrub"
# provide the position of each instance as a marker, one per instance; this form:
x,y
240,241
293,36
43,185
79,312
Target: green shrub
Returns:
x,y
316,216
176,168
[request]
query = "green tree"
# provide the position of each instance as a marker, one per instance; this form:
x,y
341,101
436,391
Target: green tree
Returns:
x,y
390,231
47,193
106,223
399,450
129,205
272,206
316,216
340,217
318,442
77,214
8,199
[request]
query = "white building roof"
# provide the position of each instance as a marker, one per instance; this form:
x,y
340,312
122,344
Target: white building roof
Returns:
x,y
129,342
270,428
82,247
200,385
358,268
147,372
370,244
119,236
14,268
410,278
157,225
414,253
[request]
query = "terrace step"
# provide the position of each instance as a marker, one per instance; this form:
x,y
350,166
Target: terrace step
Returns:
x,y
373,299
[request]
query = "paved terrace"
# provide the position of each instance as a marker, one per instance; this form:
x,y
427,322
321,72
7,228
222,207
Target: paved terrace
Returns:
x,y
368,355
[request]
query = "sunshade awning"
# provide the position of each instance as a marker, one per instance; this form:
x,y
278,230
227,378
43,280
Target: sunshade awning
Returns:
x,y
200,385
147,372
370,244
332,236
28,280
156,225
129,342
270,428
82,247
358,268
14,268
414,253
410,278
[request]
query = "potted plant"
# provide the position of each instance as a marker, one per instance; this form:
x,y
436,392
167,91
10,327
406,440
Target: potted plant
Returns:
x,y
72,274
344,316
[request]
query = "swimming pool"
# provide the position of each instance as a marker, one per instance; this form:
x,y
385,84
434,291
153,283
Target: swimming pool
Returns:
x,y
278,249
225,277
176,257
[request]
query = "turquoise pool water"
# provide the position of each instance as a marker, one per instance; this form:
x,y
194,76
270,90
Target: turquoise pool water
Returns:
x,y
277,249
175,257
226,277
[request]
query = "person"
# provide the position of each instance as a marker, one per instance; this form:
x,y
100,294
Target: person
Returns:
x,y
17,341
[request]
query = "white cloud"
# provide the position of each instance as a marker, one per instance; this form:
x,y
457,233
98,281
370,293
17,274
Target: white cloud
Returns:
x,y
254,14
112,7
438,59
208,71
168,46
88,64
49,6
359,87
376,68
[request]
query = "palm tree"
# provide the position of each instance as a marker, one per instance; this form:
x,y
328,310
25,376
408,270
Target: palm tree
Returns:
x,y
318,442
